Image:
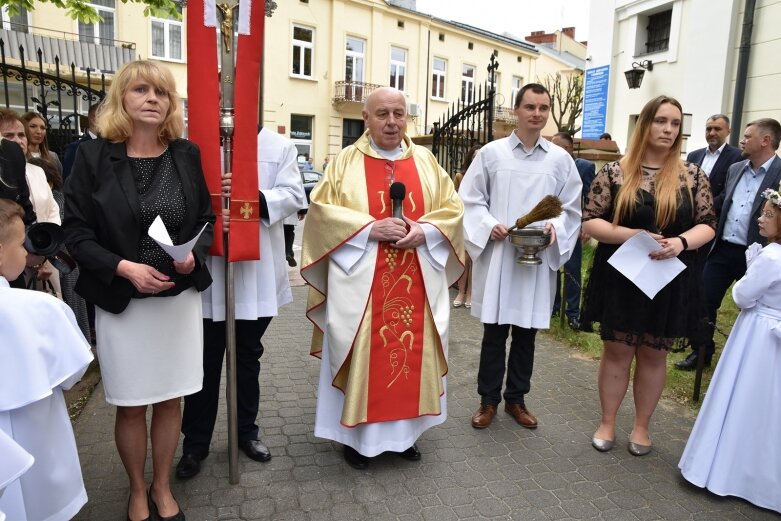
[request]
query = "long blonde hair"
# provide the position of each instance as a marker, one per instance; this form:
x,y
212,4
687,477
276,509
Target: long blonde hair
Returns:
x,y
114,123
668,179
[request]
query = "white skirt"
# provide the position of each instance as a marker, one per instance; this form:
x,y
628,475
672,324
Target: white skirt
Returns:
x,y
153,350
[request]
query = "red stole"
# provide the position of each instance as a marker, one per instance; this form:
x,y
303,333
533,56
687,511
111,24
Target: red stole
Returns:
x,y
398,302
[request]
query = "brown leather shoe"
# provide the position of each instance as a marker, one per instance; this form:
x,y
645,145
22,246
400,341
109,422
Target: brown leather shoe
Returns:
x,y
483,416
521,415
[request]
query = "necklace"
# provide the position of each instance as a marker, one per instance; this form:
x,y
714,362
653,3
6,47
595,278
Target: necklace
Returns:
x,y
147,155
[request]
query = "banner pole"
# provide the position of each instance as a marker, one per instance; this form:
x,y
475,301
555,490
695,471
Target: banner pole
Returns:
x,y
227,12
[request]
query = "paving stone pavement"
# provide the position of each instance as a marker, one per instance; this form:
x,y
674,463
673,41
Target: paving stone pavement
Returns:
x,y
504,472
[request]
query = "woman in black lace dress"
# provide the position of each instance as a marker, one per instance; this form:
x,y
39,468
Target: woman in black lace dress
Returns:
x,y
650,189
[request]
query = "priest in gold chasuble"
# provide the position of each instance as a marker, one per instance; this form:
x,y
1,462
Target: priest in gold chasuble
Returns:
x,y
379,287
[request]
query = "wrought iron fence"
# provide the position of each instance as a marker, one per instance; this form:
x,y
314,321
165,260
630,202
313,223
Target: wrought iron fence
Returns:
x,y
463,126
56,95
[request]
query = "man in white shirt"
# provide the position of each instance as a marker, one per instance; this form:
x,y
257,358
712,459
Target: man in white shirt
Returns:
x,y
717,157
506,180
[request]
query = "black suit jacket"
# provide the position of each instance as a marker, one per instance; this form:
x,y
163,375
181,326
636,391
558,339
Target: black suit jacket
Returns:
x,y
70,154
718,174
771,180
13,178
102,218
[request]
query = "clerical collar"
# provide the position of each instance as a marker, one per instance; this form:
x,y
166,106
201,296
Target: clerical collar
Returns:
x,y
392,155
4,282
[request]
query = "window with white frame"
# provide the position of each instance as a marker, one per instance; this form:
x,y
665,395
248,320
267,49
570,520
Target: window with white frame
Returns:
x,y
18,22
101,32
167,37
303,52
398,68
354,59
438,74
517,84
468,84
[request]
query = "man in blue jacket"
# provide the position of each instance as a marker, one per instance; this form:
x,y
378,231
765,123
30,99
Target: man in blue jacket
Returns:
x,y
572,282
91,133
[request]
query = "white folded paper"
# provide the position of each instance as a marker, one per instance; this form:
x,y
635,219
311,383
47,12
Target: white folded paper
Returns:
x,y
159,233
650,275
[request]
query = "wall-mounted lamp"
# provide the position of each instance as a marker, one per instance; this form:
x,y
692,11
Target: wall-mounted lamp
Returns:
x,y
634,77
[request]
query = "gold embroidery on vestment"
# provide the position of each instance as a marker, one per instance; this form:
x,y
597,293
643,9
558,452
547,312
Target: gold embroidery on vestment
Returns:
x,y
381,193
397,312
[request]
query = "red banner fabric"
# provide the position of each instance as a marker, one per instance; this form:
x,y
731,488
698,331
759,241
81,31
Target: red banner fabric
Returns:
x,y
204,126
398,302
245,216
203,97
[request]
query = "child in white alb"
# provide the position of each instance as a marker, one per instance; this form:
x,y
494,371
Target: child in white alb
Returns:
x,y
42,352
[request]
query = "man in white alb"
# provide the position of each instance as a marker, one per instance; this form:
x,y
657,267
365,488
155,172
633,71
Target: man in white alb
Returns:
x,y
506,180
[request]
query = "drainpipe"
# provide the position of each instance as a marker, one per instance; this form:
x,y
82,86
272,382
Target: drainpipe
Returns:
x,y
428,77
740,79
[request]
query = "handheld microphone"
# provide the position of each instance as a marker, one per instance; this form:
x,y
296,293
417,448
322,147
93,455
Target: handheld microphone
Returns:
x,y
397,192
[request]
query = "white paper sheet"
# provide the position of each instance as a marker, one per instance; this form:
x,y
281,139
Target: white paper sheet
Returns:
x,y
159,233
650,275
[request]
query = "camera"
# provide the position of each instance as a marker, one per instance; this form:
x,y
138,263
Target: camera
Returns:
x,y
45,240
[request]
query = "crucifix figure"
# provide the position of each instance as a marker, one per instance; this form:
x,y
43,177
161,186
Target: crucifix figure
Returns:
x,y
226,26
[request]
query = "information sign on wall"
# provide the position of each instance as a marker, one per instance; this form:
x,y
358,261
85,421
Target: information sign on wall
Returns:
x,y
595,102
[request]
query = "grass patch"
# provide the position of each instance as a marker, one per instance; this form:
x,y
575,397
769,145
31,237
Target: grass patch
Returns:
x,y
680,384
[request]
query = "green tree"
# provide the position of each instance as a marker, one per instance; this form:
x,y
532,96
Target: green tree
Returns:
x,y
566,100
82,11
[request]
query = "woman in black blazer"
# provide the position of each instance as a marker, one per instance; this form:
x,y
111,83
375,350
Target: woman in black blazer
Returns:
x,y
148,308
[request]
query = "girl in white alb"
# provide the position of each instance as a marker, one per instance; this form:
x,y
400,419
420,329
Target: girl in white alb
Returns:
x,y
734,446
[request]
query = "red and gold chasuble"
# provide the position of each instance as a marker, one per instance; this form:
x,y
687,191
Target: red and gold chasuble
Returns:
x,y
398,302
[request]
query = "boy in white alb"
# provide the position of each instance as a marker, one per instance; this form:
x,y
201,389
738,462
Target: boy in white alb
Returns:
x,y
42,352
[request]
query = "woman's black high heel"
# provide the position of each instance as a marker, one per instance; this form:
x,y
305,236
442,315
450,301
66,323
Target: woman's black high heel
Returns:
x,y
179,516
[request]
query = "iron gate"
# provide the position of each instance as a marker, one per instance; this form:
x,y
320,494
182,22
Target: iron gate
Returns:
x,y
464,126
59,98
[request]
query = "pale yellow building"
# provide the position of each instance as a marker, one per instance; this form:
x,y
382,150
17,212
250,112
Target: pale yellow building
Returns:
x,y
338,51
322,58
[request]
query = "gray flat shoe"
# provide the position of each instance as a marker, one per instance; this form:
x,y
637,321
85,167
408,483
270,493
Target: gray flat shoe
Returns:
x,y
635,449
602,445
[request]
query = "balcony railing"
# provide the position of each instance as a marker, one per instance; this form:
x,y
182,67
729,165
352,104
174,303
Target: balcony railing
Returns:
x,y
354,91
505,115
106,56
